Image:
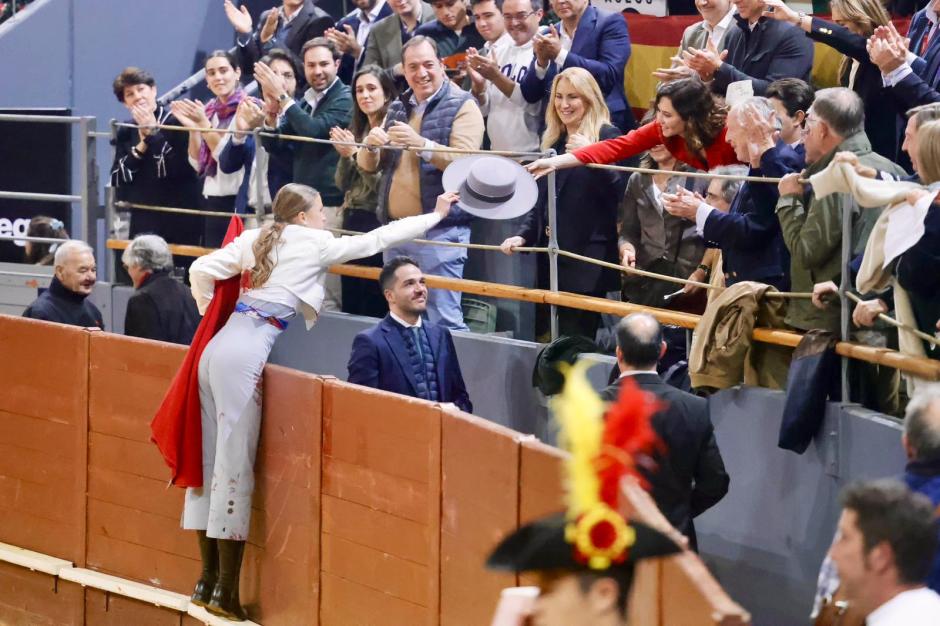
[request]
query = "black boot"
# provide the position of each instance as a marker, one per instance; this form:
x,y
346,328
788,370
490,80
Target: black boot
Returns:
x,y
209,551
225,602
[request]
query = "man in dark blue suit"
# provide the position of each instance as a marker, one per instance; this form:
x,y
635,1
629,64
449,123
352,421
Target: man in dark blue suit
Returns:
x,y
404,353
913,79
749,235
352,34
690,475
586,37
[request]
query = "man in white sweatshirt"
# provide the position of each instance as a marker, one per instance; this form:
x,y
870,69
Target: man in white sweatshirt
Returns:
x,y
511,122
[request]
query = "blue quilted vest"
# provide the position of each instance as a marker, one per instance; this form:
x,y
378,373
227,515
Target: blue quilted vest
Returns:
x,y
436,125
424,371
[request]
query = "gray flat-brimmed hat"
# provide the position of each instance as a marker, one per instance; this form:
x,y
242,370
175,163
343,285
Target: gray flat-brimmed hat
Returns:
x,y
491,187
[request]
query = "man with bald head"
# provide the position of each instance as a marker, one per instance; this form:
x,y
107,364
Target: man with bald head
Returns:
x,y
65,301
690,475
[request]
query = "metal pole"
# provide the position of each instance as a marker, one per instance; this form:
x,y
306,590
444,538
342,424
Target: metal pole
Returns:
x,y
86,174
552,247
261,163
39,197
848,207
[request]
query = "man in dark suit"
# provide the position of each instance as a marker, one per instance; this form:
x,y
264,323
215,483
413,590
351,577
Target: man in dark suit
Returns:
x,y
404,353
289,26
586,37
162,308
351,34
757,48
389,34
690,477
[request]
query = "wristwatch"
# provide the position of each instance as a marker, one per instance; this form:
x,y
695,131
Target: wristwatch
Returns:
x,y
283,98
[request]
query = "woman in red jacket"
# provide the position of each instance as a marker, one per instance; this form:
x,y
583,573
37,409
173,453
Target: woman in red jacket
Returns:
x,y
689,122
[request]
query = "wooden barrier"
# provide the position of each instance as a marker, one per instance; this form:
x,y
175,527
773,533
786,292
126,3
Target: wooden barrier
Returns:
x,y
369,508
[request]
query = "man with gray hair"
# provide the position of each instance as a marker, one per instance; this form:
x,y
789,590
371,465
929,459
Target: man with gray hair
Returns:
x,y
748,235
690,476
162,308
65,301
812,227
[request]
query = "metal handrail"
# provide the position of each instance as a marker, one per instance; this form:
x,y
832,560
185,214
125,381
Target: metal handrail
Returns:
x,y
32,239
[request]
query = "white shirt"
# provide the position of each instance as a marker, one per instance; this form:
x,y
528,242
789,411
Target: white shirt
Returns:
x,y
366,21
403,322
302,259
701,215
718,31
512,123
635,372
917,607
221,184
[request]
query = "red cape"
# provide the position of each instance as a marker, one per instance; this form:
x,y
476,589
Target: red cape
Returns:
x,y
177,426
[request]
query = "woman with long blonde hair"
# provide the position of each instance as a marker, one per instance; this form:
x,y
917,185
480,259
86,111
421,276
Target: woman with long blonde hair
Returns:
x,y
587,201
853,23
288,261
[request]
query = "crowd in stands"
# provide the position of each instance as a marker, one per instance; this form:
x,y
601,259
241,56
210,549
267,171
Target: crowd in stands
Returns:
x,y
517,75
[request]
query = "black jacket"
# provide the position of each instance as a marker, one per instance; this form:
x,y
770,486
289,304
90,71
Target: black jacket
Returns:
x,y
587,206
311,22
162,308
880,108
691,476
772,50
58,304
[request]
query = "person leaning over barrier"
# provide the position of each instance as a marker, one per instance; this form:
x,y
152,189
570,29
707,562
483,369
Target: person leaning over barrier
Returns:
x,y
689,121
66,299
433,113
162,307
287,261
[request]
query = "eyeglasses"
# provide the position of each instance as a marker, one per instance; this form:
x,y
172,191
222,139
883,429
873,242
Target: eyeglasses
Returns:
x,y
806,124
517,17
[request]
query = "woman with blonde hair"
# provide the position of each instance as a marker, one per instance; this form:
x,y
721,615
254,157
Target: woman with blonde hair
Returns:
x,y
853,22
288,261
587,201
689,123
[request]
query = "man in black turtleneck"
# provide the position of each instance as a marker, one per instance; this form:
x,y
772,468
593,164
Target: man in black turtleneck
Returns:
x,y
65,301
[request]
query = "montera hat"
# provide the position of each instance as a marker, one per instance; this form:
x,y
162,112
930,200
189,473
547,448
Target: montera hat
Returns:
x,y
491,187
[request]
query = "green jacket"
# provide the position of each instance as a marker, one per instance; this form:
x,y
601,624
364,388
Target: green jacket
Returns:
x,y
361,188
315,163
814,235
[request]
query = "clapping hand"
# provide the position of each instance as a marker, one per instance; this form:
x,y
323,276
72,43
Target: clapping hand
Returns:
x,y
485,65
341,134
377,137
683,203
190,113
345,40
404,135
239,17
706,62
272,84
761,133
248,116
547,46
887,49
144,118
269,28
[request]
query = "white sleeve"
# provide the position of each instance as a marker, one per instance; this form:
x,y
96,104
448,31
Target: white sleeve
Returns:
x,y
701,215
342,249
217,265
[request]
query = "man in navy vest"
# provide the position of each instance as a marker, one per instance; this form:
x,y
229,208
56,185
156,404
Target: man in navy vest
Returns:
x,y
432,113
404,353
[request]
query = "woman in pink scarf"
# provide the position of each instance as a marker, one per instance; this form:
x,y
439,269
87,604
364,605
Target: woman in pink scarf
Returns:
x,y
219,189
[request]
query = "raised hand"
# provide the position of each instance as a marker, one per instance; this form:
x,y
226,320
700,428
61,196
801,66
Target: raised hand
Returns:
x,y
886,53
345,40
341,134
144,118
760,132
547,46
682,204
269,29
190,113
777,10
485,65
271,83
239,17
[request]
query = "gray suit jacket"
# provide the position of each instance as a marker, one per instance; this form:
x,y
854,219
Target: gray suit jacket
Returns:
x,y
664,243
695,36
384,45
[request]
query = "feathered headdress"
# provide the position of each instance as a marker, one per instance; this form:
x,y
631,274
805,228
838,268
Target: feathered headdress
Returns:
x,y
603,450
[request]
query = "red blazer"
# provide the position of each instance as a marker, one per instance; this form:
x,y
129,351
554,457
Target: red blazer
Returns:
x,y
650,135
